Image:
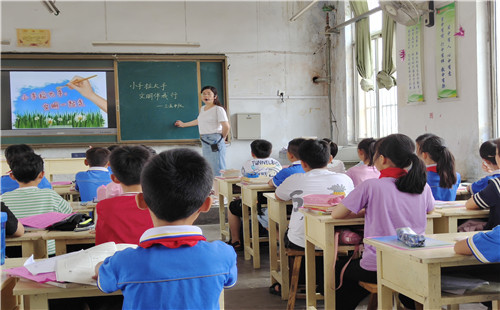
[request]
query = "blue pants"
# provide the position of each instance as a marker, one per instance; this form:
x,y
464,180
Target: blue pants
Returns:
x,y
216,159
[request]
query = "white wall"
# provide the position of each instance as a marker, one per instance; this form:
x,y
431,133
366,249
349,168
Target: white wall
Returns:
x,y
265,52
464,122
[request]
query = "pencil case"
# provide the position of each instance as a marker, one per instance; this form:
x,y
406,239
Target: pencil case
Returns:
x,y
410,238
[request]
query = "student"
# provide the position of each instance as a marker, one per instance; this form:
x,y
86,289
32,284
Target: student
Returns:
x,y
13,227
488,198
441,175
365,169
260,166
28,199
487,151
174,266
292,154
11,152
399,198
334,165
88,181
119,219
485,246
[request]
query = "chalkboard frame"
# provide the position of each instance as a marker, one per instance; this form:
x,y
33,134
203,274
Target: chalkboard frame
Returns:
x,y
107,139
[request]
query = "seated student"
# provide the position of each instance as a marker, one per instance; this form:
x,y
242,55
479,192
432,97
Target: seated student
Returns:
x,y
28,199
317,179
88,181
11,152
365,169
400,198
441,175
483,245
487,151
174,266
488,198
118,218
334,165
260,166
13,227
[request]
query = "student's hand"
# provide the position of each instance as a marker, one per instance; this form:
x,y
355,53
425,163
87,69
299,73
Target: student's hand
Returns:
x,y
179,124
97,271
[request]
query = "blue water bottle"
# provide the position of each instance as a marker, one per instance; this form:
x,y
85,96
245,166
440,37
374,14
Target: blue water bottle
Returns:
x,y
2,252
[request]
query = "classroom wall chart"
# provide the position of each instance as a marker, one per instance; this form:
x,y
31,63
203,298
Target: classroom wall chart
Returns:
x,y
413,55
445,54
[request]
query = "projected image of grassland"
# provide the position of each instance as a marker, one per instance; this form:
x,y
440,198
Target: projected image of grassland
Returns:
x,y
53,120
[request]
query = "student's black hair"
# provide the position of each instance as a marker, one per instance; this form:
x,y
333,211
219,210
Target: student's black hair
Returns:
x,y
400,149
175,183
112,147
15,150
261,148
97,156
420,139
293,146
445,160
27,167
315,153
367,145
214,90
127,163
150,149
334,149
488,150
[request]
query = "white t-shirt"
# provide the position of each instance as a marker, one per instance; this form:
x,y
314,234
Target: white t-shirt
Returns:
x,y
336,166
316,181
210,121
267,167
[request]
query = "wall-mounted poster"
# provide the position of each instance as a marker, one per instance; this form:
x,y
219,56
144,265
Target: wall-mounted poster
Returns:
x,y
33,37
414,62
445,54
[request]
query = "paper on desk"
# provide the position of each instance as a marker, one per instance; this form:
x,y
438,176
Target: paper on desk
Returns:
x,y
43,220
23,272
47,265
81,268
439,204
459,284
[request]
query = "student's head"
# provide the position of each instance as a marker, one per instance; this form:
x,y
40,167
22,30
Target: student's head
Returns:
x,y
434,148
399,149
334,149
112,147
150,149
315,153
127,163
97,156
293,147
366,150
176,183
488,151
209,93
27,168
261,148
16,150
420,140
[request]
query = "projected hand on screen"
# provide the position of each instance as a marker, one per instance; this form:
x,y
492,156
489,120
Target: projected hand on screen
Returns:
x,y
85,89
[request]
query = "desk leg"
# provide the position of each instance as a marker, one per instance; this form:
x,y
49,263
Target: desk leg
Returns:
x,y
384,294
310,275
60,247
255,237
273,251
246,230
443,225
433,300
429,229
36,302
222,216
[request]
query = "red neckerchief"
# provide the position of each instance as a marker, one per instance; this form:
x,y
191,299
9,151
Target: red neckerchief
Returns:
x,y
432,168
392,172
174,243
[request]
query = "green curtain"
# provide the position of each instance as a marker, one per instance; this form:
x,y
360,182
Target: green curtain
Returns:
x,y
363,45
384,77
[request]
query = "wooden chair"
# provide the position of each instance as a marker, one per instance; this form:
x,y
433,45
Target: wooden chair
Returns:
x,y
296,256
372,289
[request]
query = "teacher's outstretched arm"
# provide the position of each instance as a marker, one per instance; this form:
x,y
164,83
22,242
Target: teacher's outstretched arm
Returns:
x,y
225,129
181,124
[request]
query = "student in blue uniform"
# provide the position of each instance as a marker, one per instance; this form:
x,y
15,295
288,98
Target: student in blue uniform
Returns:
x,y
87,182
485,246
487,151
441,175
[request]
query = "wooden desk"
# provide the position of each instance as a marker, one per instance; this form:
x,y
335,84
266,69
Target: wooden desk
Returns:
x,y
31,243
64,238
227,189
66,192
462,193
85,208
278,224
249,203
9,301
448,222
417,273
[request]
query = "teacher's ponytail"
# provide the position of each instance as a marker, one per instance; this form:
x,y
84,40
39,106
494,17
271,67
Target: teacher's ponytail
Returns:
x,y
214,90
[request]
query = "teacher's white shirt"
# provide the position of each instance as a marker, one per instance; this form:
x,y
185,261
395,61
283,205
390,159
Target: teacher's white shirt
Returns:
x,y
209,121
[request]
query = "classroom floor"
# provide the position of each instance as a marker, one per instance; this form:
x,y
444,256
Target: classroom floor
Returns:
x,y
251,290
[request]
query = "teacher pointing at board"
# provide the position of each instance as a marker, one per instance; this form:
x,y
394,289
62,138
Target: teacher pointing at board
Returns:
x,y
213,125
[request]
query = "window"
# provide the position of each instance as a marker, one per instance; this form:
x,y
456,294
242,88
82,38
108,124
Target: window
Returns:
x,y
376,111
495,31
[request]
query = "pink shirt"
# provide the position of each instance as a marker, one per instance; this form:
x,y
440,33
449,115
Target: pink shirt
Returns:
x,y
362,172
386,210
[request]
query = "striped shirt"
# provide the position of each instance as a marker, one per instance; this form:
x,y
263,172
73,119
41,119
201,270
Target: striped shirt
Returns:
x,y
489,198
28,201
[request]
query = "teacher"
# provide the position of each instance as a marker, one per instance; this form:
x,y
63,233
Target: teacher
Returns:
x,y
214,126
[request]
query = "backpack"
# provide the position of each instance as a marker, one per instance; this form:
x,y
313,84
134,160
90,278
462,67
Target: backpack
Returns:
x,y
72,222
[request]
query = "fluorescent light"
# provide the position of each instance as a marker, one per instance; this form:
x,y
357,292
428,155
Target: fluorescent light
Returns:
x,y
139,43
303,10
